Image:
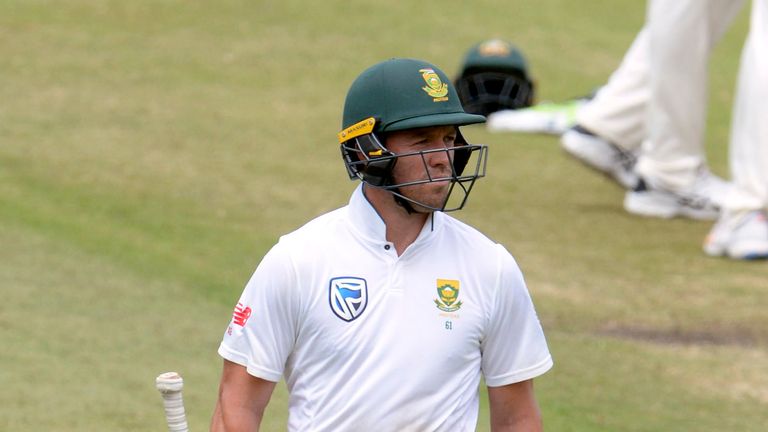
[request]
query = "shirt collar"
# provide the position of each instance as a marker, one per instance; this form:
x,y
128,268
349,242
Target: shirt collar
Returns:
x,y
367,221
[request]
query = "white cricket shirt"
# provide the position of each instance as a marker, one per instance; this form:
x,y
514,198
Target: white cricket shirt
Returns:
x,y
369,341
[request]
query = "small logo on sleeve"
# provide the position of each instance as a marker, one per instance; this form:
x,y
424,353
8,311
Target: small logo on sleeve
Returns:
x,y
241,314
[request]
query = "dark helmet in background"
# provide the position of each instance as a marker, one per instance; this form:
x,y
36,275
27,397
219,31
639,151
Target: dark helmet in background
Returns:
x,y
400,94
494,77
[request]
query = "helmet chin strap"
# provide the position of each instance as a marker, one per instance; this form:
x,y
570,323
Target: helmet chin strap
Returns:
x,y
396,194
409,208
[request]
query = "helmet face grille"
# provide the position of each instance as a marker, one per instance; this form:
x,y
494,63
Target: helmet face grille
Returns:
x,y
487,92
364,161
368,160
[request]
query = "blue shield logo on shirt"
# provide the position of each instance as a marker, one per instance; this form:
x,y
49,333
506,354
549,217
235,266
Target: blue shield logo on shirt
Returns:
x,y
348,296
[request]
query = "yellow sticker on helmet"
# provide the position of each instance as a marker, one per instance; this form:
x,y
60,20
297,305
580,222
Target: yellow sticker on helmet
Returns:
x,y
357,129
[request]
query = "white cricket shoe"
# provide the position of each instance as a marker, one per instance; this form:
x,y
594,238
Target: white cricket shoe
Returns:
x,y
601,155
739,236
702,201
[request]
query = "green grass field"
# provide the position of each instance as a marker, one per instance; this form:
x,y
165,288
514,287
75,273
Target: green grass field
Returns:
x,y
152,151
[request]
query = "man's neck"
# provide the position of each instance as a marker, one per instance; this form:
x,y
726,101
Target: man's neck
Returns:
x,y
402,227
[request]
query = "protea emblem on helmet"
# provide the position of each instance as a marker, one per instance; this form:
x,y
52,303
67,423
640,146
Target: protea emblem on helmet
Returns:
x,y
435,86
448,293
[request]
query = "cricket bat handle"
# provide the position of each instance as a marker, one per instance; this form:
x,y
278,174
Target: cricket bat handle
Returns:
x,y
169,385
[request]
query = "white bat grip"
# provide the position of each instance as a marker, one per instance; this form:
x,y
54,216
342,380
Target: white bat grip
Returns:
x,y
169,385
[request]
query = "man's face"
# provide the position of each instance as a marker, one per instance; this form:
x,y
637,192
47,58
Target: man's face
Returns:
x,y
424,166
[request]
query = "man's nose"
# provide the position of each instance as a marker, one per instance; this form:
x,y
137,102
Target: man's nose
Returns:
x,y
440,157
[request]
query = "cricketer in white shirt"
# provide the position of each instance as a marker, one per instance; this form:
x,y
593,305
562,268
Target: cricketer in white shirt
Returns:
x,y
367,340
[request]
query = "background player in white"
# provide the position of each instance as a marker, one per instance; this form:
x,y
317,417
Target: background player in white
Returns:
x,y
646,126
383,315
657,99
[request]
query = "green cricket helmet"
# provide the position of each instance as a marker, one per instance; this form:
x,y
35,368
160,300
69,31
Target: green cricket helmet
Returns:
x,y
400,94
494,77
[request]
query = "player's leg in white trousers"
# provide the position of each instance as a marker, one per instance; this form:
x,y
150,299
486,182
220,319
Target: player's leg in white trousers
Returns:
x,y
672,162
619,113
610,127
681,36
742,230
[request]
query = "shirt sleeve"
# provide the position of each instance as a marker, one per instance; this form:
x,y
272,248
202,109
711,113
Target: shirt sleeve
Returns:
x,y
262,331
514,348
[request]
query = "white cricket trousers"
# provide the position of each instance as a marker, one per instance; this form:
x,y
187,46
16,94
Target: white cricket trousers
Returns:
x,y
657,99
748,150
